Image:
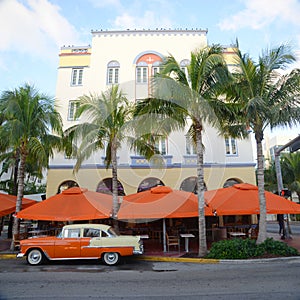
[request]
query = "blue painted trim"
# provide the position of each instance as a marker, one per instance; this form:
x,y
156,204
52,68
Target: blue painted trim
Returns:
x,y
172,166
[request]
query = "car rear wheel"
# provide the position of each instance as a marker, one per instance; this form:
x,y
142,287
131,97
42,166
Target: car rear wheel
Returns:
x,y
35,257
111,258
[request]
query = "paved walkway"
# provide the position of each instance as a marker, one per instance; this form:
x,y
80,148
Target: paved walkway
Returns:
x,y
293,241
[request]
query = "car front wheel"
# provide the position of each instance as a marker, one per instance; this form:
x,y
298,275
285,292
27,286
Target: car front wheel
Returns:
x,y
35,257
111,258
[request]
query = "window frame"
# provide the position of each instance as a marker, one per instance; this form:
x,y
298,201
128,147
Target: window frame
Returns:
x,y
113,73
77,77
72,107
231,148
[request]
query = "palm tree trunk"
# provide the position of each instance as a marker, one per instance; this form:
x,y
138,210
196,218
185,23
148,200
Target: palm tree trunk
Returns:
x,y
262,233
201,209
20,192
115,183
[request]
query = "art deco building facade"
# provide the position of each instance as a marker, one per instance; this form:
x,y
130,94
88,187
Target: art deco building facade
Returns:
x,y
129,58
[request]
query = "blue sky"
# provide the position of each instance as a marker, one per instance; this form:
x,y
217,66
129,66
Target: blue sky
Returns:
x,y
32,31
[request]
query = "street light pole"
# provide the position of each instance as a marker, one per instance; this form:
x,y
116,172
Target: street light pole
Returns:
x,y
279,174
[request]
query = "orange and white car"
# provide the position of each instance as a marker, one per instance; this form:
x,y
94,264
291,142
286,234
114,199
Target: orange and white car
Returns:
x,y
81,241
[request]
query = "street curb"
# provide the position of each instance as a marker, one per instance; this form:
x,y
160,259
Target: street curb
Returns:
x,y
191,260
179,259
8,256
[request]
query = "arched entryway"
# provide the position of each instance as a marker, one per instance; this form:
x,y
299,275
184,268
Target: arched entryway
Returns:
x,y
231,181
190,185
66,185
149,183
105,187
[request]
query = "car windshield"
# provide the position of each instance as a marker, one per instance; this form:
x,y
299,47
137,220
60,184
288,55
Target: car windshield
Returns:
x,y
111,232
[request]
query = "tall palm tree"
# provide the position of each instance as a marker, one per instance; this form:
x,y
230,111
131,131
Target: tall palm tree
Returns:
x,y
187,96
29,117
290,166
108,124
263,97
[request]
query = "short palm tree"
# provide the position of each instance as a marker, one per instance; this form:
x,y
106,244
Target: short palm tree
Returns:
x,y
29,117
262,97
188,96
108,124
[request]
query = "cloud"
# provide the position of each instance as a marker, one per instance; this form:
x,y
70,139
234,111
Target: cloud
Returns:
x,y
258,14
136,14
106,3
149,20
33,27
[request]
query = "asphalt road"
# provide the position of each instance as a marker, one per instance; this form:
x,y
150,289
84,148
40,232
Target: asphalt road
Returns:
x,y
275,279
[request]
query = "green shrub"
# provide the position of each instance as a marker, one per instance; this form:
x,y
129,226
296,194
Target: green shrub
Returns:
x,y
247,248
278,248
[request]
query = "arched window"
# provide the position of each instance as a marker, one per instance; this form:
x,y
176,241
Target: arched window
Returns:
x,y
190,185
147,64
113,70
231,181
66,185
105,187
149,183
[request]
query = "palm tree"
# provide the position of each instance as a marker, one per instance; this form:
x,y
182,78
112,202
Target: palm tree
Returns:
x,y
29,117
109,124
290,166
187,96
262,97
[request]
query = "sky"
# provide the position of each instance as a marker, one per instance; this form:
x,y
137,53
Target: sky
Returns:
x,y
33,31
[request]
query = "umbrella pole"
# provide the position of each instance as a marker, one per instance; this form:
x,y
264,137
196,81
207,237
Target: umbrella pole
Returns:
x,y
164,235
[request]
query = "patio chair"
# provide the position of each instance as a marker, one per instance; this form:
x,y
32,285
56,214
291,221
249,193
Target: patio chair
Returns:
x,y
173,240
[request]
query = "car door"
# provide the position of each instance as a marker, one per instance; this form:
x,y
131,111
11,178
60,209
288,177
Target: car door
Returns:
x,y
86,251
68,246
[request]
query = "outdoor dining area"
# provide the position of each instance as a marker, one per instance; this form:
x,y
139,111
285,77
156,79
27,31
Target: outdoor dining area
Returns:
x,y
166,219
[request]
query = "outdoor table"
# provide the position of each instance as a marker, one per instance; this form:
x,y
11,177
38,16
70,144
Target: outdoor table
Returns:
x,y
144,236
236,234
186,237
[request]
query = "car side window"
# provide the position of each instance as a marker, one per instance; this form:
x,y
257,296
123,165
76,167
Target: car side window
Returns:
x,y
104,234
91,232
72,233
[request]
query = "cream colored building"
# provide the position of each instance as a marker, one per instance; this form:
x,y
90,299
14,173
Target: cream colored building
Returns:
x,y
129,58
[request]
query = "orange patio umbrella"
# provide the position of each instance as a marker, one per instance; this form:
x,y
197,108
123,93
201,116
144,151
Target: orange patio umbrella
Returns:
x,y
72,204
242,199
8,204
158,203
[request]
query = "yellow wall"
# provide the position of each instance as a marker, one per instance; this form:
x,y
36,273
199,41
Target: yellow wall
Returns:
x,y
130,178
69,59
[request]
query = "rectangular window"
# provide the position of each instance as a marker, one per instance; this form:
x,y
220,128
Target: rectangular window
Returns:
x,y
113,75
145,70
116,75
110,75
161,146
73,105
230,146
190,146
155,70
77,77
142,74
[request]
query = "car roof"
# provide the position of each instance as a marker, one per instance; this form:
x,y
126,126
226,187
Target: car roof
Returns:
x,y
94,226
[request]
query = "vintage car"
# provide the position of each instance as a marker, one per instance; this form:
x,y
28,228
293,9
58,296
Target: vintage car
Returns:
x,y
81,241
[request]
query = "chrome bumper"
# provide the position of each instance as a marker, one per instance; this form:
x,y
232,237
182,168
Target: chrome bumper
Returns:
x,y
20,255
